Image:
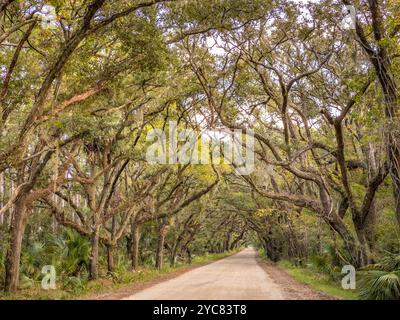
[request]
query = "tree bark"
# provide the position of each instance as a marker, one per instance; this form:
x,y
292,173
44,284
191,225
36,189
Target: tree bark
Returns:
x,y
173,253
365,249
189,256
2,195
271,250
18,225
372,215
111,246
162,232
357,251
135,246
227,241
239,238
94,256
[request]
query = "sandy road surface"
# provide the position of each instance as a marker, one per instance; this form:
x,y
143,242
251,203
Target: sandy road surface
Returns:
x,y
236,277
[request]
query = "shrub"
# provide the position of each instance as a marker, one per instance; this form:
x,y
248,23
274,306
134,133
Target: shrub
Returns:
x,y
74,284
381,281
75,252
380,285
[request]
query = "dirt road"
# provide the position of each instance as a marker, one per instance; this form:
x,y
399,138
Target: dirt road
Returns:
x,y
235,277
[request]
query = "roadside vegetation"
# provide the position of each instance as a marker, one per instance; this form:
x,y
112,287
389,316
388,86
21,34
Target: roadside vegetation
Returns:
x,y
317,279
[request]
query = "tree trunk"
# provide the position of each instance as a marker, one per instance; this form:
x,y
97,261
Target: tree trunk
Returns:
x,y
396,193
2,196
370,218
356,250
227,241
365,249
239,238
175,248
129,247
18,225
111,247
189,255
364,223
94,256
135,246
162,231
380,59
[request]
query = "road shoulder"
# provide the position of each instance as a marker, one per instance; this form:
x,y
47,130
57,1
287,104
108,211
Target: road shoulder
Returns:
x,y
291,288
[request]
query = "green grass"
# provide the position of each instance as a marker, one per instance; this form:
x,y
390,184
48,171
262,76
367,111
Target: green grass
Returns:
x,y
318,281
108,283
